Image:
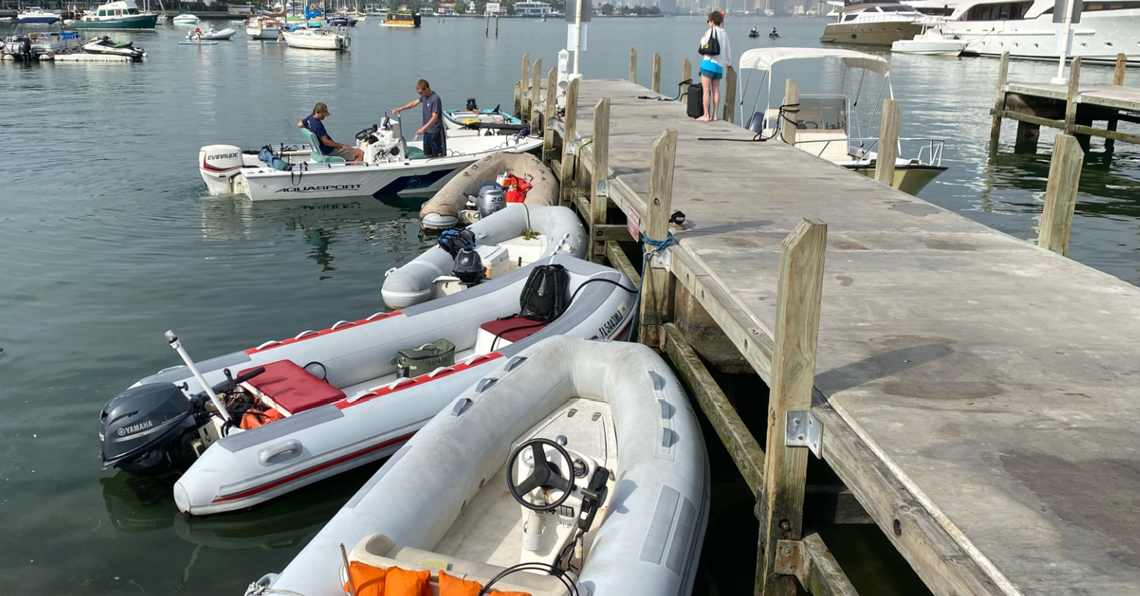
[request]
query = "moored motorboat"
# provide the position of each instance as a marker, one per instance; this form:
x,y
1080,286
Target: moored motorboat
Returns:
x,y
530,182
35,15
24,44
264,27
118,14
107,46
401,19
930,43
505,240
324,402
391,166
316,39
472,118
186,19
211,34
577,467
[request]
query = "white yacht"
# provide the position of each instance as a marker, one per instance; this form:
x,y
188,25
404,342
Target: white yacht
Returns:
x,y
872,23
1026,29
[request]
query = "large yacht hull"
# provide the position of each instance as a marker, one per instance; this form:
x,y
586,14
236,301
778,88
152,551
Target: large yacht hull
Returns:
x,y
869,34
1099,37
142,21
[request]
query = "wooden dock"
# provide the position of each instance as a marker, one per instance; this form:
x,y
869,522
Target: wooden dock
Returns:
x,y
977,394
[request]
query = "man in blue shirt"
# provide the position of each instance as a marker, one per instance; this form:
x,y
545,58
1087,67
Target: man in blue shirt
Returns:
x,y
435,141
325,143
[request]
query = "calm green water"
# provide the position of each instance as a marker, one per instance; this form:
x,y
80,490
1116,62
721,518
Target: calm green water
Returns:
x,y
106,242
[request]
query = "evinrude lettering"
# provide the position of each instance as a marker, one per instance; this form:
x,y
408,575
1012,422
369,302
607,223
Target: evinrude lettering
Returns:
x,y
324,188
225,156
134,428
609,325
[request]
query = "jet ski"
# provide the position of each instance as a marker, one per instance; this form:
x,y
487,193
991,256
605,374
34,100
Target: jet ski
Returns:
x,y
106,45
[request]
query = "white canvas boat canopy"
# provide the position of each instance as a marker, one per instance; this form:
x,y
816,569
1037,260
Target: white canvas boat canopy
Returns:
x,y
765,58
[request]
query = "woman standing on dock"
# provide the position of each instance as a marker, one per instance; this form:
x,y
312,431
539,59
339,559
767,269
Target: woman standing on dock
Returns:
x,y
718,56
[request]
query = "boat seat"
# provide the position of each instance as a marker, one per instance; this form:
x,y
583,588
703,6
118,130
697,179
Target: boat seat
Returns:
x,y
512,329
380,551
291,389
316,155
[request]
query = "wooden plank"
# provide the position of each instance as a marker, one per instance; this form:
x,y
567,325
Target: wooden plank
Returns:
x,y
730,95
1031,119
656,73
798,296
616,256
686,75
999,102
888,142
1071,96
813,565
548,115
1061,194
654,291
1108,134
792,109
599,202
569,136
1121,65
733,433
632,65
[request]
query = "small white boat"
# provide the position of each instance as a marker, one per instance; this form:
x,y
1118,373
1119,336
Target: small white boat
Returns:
x,y
256,424
316,39
578,467
264,27
185,19
930,43
449,207
34,15
211,34
107,46
473,118
391,166
505,240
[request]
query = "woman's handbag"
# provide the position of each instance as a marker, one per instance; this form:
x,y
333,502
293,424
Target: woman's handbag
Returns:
x,y
711,47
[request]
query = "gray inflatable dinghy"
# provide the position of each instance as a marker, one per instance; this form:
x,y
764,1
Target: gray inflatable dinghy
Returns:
x,y
443,211
577,456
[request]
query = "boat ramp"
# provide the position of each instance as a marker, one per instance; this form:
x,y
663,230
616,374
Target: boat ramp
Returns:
x,y
976,393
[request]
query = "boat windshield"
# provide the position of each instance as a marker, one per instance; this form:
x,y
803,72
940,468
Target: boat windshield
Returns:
x,y
823,112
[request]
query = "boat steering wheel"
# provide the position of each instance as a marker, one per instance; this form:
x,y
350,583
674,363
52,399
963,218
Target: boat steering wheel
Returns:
x,y
546,475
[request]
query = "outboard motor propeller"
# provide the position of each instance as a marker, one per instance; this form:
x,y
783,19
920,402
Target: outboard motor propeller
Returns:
x,y
469,267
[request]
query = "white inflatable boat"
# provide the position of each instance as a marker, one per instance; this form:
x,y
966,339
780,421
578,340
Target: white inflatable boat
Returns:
x,y
579,464
506,240
391,166
507,176
328,401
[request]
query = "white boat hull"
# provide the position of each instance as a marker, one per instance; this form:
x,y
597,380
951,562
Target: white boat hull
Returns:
x,y
428,503
377,413
929,47
317,39
263,32
1099,37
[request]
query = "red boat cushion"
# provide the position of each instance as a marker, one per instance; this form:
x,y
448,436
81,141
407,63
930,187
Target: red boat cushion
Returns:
x,y
513,328
293,388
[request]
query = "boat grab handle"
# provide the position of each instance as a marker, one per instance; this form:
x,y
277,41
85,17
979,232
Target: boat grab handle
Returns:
x,y
280,452
304,333
271,342
432,374
514,363
340,324
379,314
485,383
398,382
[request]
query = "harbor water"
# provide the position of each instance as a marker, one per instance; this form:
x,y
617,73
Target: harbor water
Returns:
x,y
107,241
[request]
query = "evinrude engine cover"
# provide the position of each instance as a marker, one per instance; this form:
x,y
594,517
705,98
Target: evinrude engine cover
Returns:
x,y
218,164
144,428
490,200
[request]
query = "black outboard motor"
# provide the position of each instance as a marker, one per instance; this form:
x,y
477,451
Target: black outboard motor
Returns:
x,y
469,267
472,105
148,429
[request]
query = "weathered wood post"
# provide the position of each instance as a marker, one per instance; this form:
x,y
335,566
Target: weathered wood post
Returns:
x,y
496,26
798,296
1071,98
730,95
518,96
655,277
888,142
686,74
1061,195
524,84
632,65
535,90
548,116
790,111
569,141
998,110
487,31
656,72
599,190
1121,64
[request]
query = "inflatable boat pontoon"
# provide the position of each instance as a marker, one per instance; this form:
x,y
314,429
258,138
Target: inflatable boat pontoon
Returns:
x,y
336,395
506,240
446,208
578,456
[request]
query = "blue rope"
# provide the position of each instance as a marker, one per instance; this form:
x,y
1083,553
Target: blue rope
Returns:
x,y
659,247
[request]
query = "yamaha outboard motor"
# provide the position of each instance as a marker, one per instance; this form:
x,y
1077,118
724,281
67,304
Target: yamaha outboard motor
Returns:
x,y
469,267
491,198
148,429
472,105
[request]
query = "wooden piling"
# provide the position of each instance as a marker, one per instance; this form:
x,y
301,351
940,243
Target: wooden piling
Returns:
x,y
791,111
656,73
655,282
730,95
999,103
888,142
548,116
518,97
632,65
525,78
569,136
599,201
487,31
1061,194
1071,98
496,26
1121,64
798,296
532,98
686,75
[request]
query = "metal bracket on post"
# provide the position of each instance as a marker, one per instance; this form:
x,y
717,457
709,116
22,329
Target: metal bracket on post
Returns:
x,y
803,429
603,188
788,557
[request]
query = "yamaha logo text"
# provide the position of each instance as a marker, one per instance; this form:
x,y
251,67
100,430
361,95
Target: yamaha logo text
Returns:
x,y
134,428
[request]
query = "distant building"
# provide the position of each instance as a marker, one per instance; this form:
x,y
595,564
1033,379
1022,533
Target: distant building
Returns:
x,y
447,9
532,9
494,8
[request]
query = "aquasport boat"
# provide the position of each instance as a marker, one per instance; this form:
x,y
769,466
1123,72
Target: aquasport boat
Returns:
x,y
401,19
120,14
391,167
510,238
106,45
481,180
316,39
1026,29
872,23
575,468
830,125
329,401
264,27
34,15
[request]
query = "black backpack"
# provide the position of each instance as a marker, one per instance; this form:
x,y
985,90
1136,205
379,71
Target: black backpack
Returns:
x,y
454,241
695,104
545,293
